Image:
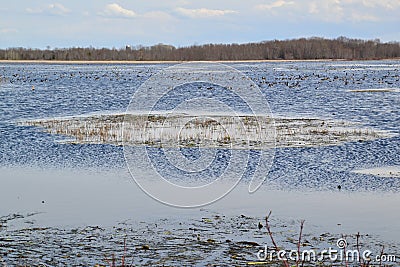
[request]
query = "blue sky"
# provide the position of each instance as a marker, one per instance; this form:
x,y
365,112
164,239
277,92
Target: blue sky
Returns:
x,y
67,23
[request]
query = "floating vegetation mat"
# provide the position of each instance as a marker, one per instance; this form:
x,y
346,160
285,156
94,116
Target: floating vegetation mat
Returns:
x,y
208,240
183,130
375,90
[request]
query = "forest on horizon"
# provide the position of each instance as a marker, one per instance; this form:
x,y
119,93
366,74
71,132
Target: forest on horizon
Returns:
x,y
293,49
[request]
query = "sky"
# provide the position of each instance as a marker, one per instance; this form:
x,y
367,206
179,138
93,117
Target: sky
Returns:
x,y
116,23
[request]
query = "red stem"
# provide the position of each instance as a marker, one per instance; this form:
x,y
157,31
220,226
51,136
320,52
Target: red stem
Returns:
x,y
272,238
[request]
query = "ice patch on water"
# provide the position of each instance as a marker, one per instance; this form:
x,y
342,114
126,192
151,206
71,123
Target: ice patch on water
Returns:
x,y
384,171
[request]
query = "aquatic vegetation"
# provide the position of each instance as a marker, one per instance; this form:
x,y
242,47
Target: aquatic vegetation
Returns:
x,y
112,262
303,258
375,90
204,240
183,130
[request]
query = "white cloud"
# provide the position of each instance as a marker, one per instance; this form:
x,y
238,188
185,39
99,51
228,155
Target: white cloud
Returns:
x,y
276,4
353,10
115,10
363,17
327,10
57,9
34,10
158,15
203,12
53,9
386,4
313,8
8,30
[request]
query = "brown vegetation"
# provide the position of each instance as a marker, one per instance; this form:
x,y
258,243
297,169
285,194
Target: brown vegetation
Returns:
x,y
295,49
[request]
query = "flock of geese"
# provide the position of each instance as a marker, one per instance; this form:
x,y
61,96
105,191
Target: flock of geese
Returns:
x,y
275,78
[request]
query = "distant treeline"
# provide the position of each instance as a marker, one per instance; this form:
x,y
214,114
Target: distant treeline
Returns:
x,y
304,48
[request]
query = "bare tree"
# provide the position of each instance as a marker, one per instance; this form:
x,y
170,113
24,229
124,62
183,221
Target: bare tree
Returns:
x,y
303,48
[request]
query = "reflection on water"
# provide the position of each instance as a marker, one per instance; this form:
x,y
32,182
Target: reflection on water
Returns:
x,y
80,198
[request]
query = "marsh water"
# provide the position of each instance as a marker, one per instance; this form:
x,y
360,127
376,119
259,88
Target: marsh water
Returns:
x,y
53,183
